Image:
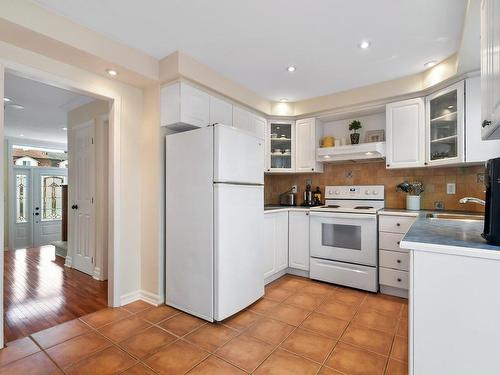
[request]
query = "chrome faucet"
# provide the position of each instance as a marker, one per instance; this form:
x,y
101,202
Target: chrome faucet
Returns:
x,y
473,200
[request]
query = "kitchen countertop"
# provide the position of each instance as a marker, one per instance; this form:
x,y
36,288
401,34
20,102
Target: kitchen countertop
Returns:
x,y
454,237
278,208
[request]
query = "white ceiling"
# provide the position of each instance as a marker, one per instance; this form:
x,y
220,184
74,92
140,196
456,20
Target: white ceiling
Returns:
x,y
252,41
45,110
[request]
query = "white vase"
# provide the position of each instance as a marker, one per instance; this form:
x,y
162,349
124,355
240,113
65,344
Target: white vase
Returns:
x,y
413,202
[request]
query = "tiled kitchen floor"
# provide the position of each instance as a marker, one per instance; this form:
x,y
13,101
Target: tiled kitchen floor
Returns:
x,y
299,327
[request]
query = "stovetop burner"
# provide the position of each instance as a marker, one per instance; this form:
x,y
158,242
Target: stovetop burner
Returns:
x,y
363,207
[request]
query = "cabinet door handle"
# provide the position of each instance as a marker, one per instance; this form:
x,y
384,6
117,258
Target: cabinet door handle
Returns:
x,y
398,224
399,280
486,123
312,169
399,261
399,242
307,213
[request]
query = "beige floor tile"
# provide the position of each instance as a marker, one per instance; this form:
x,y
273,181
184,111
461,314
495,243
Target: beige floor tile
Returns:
x,y
383,304
181,324
367,338
400,349
211,336
139,369
177,358
325,325
403,327
108,361
137,306
282,362
147,342
17,349
337,309
277,293
293,283
356,361
269,330
328,371
245,352
157,314
35,364
242,320
309,345
396,368
319,289
123,329
376,320
304,301
62,332
75,349
288,314
215,366
349,296
106,316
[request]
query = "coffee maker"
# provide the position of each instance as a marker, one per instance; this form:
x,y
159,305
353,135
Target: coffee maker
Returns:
x,y
492,206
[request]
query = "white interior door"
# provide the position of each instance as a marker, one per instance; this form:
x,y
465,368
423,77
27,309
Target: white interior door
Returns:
x,y
22,216
81,187
47,205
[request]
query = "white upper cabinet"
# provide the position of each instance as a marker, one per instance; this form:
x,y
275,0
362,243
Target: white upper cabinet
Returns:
x,y
444,131
476,150
405,128
298,240
490,69
246,120
184,107
221,112
307,138
280,146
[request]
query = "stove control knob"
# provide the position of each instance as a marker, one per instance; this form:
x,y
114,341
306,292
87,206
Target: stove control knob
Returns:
x,y
337,192
375,192
330,192
367,192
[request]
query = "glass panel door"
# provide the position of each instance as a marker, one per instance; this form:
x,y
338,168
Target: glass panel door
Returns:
x,y
281,146
444,126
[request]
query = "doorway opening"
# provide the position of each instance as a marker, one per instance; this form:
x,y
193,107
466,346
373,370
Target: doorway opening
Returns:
x,y
56,214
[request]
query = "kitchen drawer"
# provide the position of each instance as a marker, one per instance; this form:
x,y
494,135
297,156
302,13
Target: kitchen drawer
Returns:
x,y
390,241
394,278
395,224
394,260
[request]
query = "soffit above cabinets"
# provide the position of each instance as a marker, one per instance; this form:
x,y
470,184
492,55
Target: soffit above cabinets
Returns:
x,y
253,42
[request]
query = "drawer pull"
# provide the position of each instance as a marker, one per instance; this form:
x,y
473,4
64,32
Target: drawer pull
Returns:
x,y
399,280
398,224
399,261
399,242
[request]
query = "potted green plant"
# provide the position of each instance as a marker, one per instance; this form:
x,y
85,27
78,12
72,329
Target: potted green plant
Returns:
x,y
353,126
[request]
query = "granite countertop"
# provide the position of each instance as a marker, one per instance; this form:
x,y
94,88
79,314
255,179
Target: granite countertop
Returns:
x,y
278,208
456,237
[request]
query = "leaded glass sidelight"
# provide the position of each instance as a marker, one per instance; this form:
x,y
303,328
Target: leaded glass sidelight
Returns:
x,y
21,198
52,197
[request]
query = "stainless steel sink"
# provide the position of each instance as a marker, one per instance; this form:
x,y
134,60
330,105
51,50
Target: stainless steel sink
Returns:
x,y
451,216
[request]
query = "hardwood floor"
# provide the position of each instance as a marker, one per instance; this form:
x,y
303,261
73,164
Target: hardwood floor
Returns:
x,y
39,292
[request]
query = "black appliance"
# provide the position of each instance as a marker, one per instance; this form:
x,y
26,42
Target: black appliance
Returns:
x,y
492,210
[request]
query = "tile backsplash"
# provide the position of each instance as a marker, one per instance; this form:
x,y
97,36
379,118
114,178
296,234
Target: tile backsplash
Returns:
x,y
468,182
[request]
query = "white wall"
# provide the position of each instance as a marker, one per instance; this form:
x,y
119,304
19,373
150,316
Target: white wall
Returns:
x,y
340,128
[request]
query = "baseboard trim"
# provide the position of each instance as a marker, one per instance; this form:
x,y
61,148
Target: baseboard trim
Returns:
x,y
141,295
275,276
97,274
297,272
68,261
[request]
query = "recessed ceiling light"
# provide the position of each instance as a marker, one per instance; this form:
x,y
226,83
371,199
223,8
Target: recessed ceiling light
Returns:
x,y
364,44
16,106
112,72
6,100
430,64
64,129
283,100
291,68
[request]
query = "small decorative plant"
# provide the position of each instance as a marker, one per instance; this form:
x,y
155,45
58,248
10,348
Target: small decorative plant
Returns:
x,y
414,189
354,126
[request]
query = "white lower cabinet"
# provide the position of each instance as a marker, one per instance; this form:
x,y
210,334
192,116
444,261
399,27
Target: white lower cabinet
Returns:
x,y
393,261
298,240
276,242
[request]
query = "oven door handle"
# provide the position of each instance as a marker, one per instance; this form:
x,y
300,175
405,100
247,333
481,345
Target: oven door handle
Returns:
x,y
331,215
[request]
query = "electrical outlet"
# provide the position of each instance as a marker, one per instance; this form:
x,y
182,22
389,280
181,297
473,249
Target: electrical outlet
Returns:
x,y
480,178
348,174
450,188
294,189
439,205
309,182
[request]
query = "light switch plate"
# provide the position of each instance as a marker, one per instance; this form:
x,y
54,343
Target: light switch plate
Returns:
x,y
450,188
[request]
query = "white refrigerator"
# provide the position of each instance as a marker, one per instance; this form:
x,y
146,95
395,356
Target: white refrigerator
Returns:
x,y
214,221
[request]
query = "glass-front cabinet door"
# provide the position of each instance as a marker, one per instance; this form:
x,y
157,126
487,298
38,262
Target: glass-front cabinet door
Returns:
x,y
281,146
445,126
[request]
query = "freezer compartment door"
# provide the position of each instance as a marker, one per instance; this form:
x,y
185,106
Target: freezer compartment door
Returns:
x,y
238,156
239,247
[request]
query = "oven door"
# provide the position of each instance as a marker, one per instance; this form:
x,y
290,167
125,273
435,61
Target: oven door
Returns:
x,y
344,237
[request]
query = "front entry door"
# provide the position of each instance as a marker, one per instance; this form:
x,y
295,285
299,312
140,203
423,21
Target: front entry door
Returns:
x,y
22,216
47,205
81,196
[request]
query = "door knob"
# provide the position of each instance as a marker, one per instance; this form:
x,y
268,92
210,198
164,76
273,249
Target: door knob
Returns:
x,y
74,207
37,213
486,123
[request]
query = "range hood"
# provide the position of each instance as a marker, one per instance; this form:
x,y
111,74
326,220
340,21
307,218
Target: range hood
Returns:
x,y
360,152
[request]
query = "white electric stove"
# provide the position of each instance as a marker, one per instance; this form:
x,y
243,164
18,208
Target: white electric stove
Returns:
x,y
343,237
